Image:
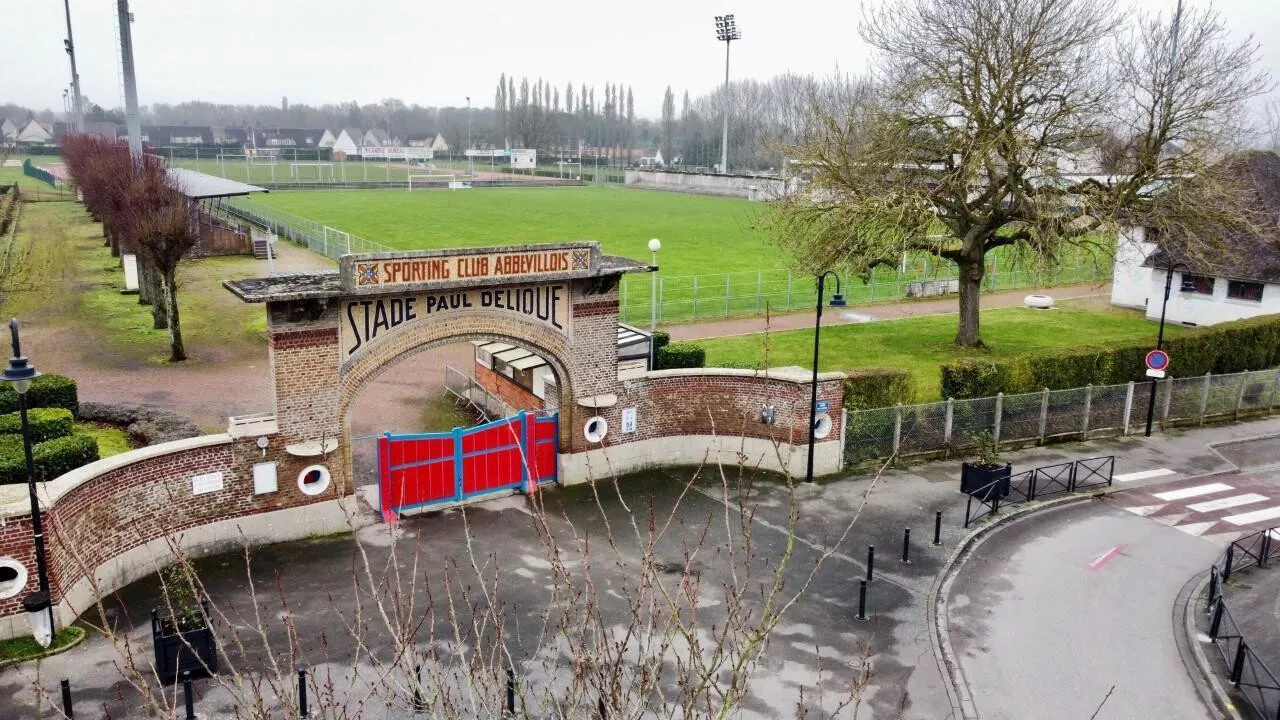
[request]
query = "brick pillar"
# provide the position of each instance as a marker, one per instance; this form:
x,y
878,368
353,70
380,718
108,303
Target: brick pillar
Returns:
x,y
303,341
592,361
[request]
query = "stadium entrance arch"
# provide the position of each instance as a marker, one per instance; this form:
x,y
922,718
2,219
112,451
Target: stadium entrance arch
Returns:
x,y
330,333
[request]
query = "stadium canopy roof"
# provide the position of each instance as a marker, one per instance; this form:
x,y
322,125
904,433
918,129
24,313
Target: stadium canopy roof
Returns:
x,y
199,186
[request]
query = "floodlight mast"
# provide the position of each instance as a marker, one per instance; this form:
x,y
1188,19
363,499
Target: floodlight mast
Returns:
x,y
131,119
77,113
726,32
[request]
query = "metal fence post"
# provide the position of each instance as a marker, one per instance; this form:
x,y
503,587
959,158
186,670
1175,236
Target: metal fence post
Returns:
x,y
1128,407
897,427
1044,414
726,294
1088,408
759,287
788,289
946,428
998,413
1244,380
695,297
1204,396
1275,390
873,284
1237,667
660,306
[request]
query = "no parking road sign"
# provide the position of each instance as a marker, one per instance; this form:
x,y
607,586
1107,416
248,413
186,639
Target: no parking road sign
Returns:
x,y
1157,363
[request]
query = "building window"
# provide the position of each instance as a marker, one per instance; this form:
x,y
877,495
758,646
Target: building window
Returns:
x,y
1200,284
1244,290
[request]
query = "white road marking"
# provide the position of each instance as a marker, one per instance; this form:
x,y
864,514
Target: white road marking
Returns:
x,y
1249,518
1275,534
1194,491
1145,510
1172,520
1196,529
1143,475
1228,502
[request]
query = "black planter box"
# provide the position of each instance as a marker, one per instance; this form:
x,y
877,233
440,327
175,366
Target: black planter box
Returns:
x,y
985,483
193,651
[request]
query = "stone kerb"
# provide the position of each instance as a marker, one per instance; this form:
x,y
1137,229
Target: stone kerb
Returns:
x,y
123,517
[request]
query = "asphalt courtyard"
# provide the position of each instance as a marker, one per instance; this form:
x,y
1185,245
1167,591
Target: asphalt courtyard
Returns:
x,y
585,553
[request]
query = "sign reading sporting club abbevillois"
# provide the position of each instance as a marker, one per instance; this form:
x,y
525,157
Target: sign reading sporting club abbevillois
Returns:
x,y
390,272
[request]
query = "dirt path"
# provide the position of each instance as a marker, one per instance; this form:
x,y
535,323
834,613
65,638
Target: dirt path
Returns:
x,y
1088,293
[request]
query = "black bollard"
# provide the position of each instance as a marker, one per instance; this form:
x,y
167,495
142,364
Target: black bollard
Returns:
x,y
511,690
871,561
186,691
419,703
304,712
906,546
67,708
937,528
862,599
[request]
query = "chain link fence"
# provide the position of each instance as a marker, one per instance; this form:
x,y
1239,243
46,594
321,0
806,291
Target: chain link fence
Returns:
x,y
317,237
1077,413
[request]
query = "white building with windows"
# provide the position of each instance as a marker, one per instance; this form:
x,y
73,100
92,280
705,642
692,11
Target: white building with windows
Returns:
x,y
1231,277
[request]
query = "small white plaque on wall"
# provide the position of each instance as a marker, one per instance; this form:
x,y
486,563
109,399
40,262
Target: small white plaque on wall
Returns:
x,y
628,420
207,483
264,478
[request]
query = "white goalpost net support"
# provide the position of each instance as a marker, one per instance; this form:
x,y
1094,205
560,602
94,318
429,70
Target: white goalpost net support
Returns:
x,y
430,178
295,172
338,239
235,157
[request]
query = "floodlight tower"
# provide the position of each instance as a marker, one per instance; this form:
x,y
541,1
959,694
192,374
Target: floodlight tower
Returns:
x,y
726,32
132,124
77,116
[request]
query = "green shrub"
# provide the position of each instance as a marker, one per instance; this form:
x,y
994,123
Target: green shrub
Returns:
x,y
877,387
661,339
1252,344
680,355
45,423
52,457
47,391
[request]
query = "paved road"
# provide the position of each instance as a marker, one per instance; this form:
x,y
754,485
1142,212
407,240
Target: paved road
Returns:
x,y
1054,611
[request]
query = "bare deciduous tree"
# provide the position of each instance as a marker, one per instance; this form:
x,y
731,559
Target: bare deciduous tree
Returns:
x,y
980,104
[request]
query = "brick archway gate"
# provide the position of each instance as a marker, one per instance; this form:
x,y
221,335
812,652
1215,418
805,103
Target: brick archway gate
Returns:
x,y
330,333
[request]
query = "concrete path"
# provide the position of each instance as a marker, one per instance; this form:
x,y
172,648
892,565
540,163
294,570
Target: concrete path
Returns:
x,y
1092,293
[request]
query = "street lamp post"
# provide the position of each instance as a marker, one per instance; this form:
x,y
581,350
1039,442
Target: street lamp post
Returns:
x,y
726,32
1187,285
837,300
471,168
654,246
38,606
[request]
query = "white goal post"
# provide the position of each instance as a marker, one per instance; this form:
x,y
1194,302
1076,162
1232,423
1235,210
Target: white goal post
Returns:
x,y
430,178
320,167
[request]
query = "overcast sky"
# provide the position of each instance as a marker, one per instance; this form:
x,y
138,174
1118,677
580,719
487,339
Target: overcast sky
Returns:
x,y
437,53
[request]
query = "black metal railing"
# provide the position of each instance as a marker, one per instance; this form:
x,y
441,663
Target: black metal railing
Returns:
x,y
1039,483
1254,681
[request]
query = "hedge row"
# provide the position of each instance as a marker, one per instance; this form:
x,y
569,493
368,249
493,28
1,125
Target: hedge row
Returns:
x,y
876,387
1252,344
47,391
44,423
52,457
679,355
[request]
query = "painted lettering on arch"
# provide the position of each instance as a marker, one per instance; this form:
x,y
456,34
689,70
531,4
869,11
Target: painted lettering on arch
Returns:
x,y
367,320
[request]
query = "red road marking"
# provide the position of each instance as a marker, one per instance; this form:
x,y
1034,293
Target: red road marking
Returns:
x,y
1097,564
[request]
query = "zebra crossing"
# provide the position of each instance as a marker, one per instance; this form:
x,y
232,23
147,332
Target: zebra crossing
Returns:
x,y
1222,507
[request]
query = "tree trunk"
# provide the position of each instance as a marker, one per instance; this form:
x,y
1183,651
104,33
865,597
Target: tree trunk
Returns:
x,y
970,277
144,281
169,288
159,310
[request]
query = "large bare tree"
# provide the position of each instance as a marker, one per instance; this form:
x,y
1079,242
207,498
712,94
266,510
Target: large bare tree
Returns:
x,y
980,104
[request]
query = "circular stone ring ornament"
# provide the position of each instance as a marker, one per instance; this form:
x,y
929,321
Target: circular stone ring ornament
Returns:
x,y
1157,360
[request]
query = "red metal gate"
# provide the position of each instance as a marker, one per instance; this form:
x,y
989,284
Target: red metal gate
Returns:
x,y
420,470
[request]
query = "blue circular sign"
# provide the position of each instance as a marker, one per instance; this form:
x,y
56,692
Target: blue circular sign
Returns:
x,y
1158,360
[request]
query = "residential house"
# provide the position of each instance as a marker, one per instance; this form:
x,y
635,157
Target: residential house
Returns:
x,y
103,129
379,137
1232,276
34,132
284,138
239,137
327,139
439,144
348,142
419,139
8,131
173,135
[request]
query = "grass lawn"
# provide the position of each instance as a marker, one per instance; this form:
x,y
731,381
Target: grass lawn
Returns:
x,y
713,262
23,648
70,280
922,344
111,440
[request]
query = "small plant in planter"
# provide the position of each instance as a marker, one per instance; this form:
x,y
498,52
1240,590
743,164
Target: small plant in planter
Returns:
x,y
988,476
181,631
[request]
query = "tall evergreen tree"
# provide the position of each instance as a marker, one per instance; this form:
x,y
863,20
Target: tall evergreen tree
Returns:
x,y
668,124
